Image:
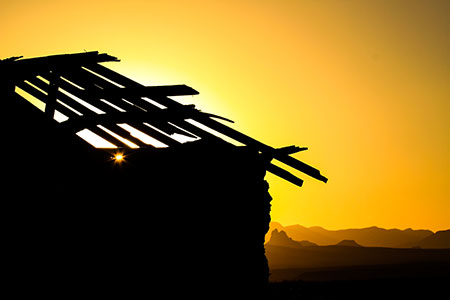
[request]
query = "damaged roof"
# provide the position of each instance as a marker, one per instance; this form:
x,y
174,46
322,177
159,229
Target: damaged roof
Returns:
x,y
109,110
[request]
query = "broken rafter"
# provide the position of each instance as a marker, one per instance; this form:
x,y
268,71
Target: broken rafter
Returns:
x,y
290,150
280,172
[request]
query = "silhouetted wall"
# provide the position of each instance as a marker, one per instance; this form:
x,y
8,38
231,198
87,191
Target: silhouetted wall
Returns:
x,y
181,221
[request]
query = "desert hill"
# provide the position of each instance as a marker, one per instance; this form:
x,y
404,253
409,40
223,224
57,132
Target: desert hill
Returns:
x,y
280,238
439,240
348,243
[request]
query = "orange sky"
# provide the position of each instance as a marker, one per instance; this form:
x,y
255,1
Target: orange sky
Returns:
x,y
364,84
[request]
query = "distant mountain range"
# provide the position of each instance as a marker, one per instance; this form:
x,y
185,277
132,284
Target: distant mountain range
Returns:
x,y
347,259
280,238
366,237
440,239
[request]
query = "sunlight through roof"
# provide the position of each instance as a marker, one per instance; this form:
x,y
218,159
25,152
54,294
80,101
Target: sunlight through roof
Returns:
x,y
123,140
94,139
142,136
33,100
59,117
214,132
82,102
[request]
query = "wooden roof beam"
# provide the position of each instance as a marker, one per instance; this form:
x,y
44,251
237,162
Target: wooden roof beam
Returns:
x,y
152,91
246,140
290,150
284,174
62,60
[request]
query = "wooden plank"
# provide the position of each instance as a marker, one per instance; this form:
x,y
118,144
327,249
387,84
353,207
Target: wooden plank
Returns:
x,y
167,128
62,97
290,150
110,138
280,172
39,83
234,134
85,96
153,133
79,122
87,80
172,129
301,166
76,123
124,81
42,97
246,140
61,61
52,94
9,60
92,90
177,112
24,68
95,85
152,91
32,91
129,83
112,75
116,117
199,132
125,134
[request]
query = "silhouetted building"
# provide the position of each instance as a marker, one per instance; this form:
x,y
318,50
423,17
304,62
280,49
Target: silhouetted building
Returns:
x,y
161,203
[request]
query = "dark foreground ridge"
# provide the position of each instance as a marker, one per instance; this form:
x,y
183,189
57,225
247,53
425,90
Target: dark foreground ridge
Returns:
x,y
79,221
375,289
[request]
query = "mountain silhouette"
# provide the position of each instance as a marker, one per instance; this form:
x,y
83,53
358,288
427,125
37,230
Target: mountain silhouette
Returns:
x,y
348,243
299,233
280,238
366,237
440,239
290,260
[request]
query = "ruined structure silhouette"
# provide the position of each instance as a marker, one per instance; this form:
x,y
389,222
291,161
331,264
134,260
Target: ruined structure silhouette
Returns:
x,y
182,211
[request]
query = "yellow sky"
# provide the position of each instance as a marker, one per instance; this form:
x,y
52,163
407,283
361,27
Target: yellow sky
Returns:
x,y
364,84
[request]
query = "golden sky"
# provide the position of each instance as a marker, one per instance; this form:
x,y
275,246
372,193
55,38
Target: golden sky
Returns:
x,y
364,84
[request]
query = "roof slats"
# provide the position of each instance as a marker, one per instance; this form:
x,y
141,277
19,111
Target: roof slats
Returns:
x,y
121,111
154,133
